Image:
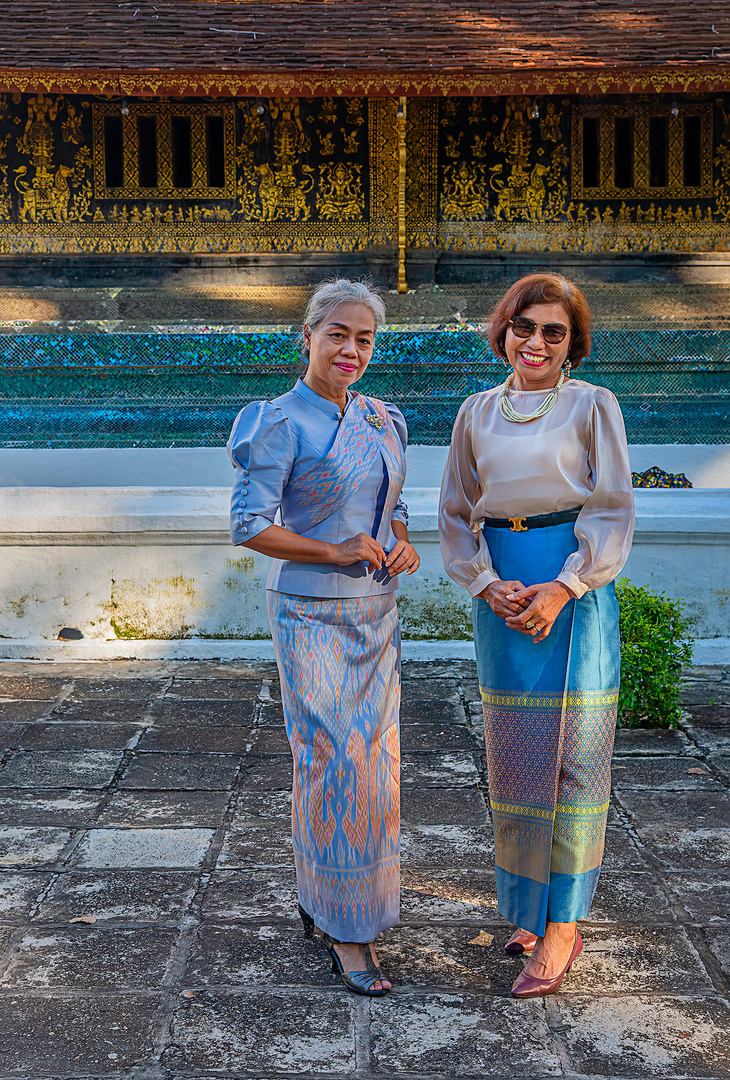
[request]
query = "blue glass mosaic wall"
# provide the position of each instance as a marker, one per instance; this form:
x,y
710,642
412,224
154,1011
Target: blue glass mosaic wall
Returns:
x,y
184,389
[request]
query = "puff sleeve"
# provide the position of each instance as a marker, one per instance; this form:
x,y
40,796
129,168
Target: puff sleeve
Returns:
x,y
400,510
261,449
605,525
463,547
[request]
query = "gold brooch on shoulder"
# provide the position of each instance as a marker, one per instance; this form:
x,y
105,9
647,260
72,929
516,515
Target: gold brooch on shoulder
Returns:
x,y
375,420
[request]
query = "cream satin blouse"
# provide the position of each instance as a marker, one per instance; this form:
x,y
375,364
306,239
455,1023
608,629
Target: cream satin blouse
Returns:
x,y
576,455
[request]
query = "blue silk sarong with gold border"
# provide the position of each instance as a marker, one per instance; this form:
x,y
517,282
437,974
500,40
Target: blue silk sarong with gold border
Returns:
x,y
549,722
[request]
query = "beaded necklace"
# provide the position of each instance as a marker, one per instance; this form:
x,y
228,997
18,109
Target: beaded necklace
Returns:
x,y
509,413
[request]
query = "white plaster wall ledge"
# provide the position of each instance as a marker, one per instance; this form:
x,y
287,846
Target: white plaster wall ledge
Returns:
x,y
194,515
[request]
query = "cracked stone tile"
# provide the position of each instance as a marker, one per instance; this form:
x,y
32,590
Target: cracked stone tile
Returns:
x,y
449,958
255,894
84,736
78,1035
662,774
20,806
186,739
704,896
439,770
268,740
435,738
721,762
204,809
682,808
60,768
10,736
717,940
438,806
121,896
31,845
143,847
433,690
463,1035
270,773
271,955
257,847
446,846
688,849
23,712
709,726
235,714
438,669
115,689
19,892
97,712
445,895
703,687
262,807
650,741
308,1033
629,897
637,959
83,957
271,715
620,852
439,712
215,689
24,688
209,772
645,1037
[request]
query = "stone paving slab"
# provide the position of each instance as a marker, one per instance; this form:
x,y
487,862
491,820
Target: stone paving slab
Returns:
x,y
83,957
264,1031
703,895
23,845
105,848
165,809
154,798
79,736
93,1034
192,772
632,1036
109,896
190,739
49,807
61,769
463,1035
19,893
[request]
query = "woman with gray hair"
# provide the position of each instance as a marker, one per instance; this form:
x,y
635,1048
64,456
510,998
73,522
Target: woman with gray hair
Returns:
x,y
331,462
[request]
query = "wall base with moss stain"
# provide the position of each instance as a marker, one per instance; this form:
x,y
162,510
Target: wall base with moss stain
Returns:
x,y
144,564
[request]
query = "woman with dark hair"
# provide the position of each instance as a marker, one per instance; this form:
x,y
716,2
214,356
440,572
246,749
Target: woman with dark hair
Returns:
x,y
328,463
536,519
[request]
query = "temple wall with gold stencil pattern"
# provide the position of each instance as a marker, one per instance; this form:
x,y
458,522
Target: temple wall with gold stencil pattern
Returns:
x,y
483,174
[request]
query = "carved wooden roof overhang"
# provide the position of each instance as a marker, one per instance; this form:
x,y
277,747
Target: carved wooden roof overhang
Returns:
x,y
360,48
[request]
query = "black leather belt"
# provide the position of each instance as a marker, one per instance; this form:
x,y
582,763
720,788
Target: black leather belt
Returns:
x,y
537,521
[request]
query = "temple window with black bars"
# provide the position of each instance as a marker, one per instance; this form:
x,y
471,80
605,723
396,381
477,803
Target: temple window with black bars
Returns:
x,y
657,148
164,150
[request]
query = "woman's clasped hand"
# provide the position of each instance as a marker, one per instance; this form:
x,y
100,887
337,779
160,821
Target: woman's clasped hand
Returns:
x,y
402,558
531,610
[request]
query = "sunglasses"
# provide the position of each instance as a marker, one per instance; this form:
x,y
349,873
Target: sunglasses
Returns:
x,y
552,333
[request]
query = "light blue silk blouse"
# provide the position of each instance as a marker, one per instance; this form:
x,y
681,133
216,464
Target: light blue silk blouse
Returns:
x,y
274,442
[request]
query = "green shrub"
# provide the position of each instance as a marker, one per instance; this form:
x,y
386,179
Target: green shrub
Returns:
x,y
655,644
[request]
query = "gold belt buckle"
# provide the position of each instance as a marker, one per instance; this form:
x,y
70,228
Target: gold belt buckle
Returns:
x,y
517,524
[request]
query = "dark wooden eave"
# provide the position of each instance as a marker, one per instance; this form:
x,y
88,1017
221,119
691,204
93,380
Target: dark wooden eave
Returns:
x,y
314,47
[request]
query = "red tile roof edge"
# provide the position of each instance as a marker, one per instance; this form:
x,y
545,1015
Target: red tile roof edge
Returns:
x,y
674,77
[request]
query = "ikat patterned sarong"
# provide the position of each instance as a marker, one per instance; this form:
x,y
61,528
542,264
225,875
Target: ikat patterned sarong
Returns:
x,y
339,662
549,722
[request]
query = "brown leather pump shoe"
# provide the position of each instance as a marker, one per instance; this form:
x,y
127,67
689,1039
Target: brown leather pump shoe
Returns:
x,y
525,986
521,942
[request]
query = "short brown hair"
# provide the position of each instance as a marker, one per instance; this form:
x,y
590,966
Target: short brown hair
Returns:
x,y
544,289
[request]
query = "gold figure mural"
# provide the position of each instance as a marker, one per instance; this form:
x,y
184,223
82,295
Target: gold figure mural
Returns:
x,y
295,174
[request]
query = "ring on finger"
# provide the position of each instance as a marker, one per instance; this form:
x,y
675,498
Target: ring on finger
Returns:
x,y
530,625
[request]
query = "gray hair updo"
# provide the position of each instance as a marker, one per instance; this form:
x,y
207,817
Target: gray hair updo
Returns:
x,y
329,294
